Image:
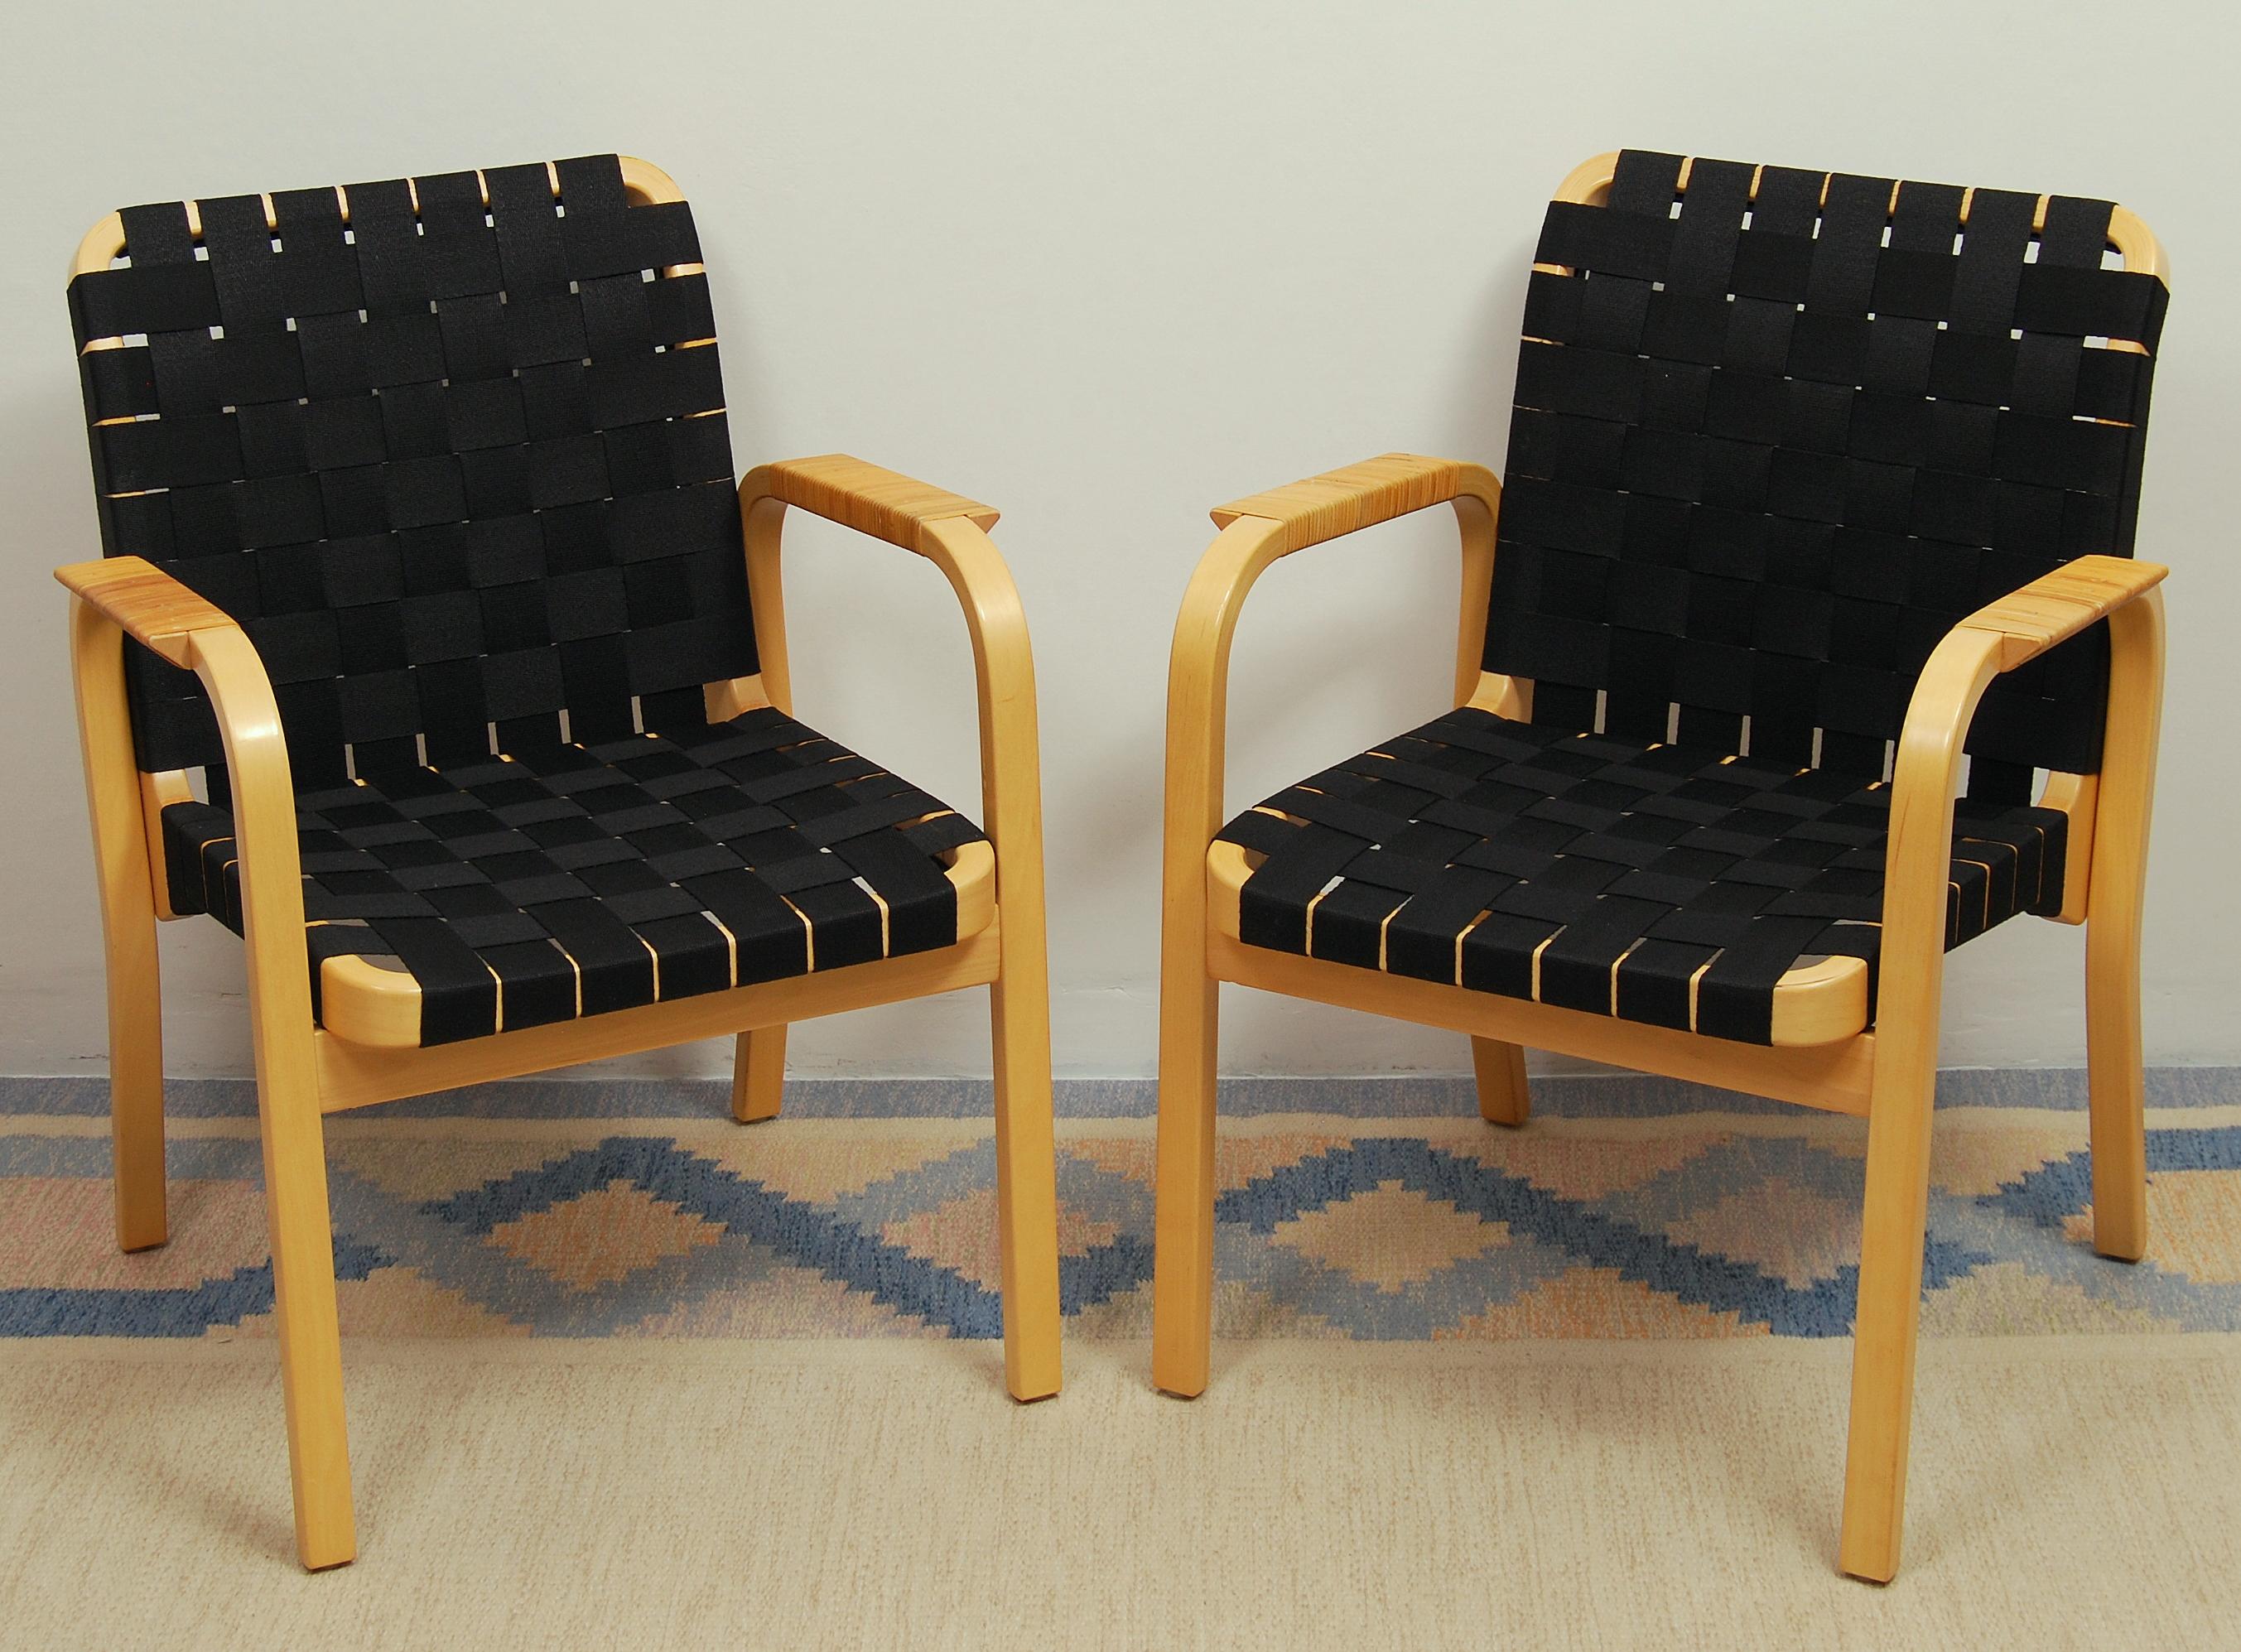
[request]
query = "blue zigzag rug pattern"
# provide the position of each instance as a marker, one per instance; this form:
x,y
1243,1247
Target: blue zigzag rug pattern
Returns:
x,y
577,1222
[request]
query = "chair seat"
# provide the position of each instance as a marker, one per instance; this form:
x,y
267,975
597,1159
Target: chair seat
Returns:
x,y
542,885
1679,887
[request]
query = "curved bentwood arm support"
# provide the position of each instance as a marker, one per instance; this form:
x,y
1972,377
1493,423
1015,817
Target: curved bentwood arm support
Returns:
x,y
127,596
1996,638
1255,532
130,596
950,532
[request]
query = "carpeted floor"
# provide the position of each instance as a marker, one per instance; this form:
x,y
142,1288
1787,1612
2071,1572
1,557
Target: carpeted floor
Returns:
x,y
2069,1492
622,1372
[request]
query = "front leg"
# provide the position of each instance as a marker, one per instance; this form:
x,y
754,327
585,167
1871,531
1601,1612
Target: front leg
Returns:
x,y
303,1302
2114,900
1892,1238
1182,1282
1027,1168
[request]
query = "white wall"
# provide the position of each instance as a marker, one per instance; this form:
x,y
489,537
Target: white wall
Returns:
x,y
1105,271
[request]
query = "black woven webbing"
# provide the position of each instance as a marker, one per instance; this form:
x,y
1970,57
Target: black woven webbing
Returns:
x,y
562,880
1769,447
450,464
1659,883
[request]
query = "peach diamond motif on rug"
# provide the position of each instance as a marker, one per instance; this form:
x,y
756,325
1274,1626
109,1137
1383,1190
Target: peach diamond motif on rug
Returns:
x,y
575,1210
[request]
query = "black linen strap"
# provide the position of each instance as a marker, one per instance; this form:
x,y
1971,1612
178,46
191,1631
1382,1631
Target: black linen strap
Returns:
x,y
558,880
1777,432
1665,884
453,462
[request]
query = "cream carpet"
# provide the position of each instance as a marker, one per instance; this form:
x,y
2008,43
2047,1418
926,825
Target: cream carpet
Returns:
x,y
2080,1491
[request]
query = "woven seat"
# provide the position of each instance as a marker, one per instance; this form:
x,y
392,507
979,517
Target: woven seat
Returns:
x,y
1672,885
566,880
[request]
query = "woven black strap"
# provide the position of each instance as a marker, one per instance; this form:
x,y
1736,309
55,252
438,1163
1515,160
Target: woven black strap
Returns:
x,y
1665,884
565,880
453,463
1776,432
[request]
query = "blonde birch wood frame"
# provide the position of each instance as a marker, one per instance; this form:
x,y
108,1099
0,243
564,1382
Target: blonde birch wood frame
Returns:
x,y
126,596
950,532
305,1071
1821,1059
1999,638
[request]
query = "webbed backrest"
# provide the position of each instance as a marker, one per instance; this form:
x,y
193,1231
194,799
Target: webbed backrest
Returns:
x,y
1777,430
452,450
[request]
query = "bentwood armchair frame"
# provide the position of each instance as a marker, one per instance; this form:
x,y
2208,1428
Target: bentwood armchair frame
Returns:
x,y
1816,1059
368,1049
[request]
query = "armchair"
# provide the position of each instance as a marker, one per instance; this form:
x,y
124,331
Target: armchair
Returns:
x,y
1820,487
417,503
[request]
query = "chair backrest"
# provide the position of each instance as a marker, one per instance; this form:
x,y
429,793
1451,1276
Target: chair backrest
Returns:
x,y
451,449
1776,430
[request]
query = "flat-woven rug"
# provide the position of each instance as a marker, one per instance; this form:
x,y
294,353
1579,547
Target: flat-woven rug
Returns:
x,y
621,1373
1370,1211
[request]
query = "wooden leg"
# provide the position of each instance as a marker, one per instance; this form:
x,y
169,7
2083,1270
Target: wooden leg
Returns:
x,y
1502,1096
1892,1236
1019,999
303,1293
1182,1283
135,1075
1026,1175
759,1074
2117,1089
127,928
2114,899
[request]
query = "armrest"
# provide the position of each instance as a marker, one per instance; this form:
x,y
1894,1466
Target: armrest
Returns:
x,y
1262,527
1255,531
1358,496
884,503
1998,637
147,604
948,528
131,595
2057,605
951,532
